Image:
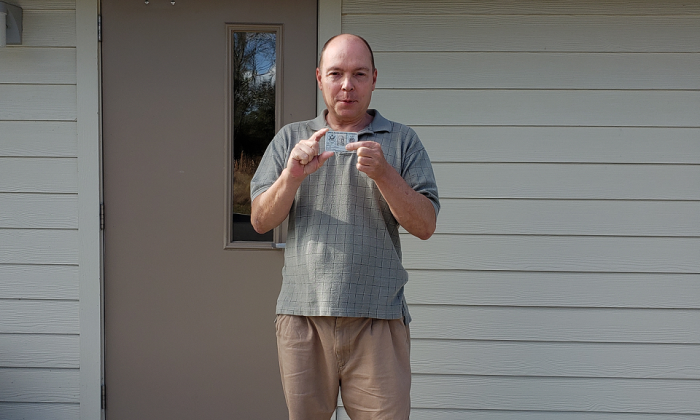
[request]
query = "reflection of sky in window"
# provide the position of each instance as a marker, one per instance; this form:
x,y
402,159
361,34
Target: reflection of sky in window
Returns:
x,y
263,47
270,75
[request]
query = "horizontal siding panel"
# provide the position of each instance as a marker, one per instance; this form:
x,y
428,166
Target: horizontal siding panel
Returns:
x,y
581,360
39,281
45,4
541,107
25,411
527,33
556,394
38,138
27,246
39,317
538,70
566,181
538,7
587,290
49,28
561,144
39,211
456,414
567,217
38,175
39,351
38,65
553,253
38,102
662,326
39,385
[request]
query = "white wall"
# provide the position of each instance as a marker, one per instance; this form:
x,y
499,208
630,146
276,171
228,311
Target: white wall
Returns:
x,y
39,241
564,278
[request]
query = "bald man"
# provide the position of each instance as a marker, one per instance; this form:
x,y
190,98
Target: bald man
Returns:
x,y
342,319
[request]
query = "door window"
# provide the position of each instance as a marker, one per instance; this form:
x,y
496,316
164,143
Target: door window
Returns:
x,y
254,118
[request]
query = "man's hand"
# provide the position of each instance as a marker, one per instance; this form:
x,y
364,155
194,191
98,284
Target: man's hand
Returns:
x,y
304,159
370,158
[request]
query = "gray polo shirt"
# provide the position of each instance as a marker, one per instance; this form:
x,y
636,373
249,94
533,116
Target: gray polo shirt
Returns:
x,y
343,253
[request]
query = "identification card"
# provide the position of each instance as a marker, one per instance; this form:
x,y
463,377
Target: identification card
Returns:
x,y
336,141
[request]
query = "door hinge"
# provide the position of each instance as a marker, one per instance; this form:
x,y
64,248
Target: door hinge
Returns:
x,y
102,216
99,28
104,396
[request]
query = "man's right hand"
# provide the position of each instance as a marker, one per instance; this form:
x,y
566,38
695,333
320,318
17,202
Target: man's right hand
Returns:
x,y
304,159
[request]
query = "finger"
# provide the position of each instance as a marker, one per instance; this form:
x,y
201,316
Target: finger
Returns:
x,y
364,161
362,168
301,156
363,151
357,144
312,146
316,137
369,153
306,147
305,153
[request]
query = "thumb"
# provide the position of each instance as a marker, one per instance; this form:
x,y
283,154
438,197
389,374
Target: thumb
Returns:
x,y
323,157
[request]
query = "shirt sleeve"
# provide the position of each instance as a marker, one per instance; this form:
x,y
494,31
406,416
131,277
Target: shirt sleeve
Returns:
x,y
417,170
272,164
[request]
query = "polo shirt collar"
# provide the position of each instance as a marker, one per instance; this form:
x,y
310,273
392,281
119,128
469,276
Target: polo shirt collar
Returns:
x,y
378,123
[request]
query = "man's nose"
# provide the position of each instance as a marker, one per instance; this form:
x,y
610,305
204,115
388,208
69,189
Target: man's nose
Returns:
x,y
347,84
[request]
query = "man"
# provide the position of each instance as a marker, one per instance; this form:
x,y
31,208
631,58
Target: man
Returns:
x,y
342,318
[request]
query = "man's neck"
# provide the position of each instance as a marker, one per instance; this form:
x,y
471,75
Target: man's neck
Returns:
x,y
352,126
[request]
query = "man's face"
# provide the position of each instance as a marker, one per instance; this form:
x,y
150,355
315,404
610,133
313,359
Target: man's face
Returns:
x,y
346,79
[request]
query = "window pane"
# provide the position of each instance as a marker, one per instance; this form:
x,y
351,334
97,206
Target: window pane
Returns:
x,y
254,98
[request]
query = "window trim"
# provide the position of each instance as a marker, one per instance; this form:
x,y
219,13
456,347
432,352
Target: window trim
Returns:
x,y
280,232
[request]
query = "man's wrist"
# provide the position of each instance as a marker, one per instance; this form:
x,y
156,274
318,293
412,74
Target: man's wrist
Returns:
x,y
388,175
289,179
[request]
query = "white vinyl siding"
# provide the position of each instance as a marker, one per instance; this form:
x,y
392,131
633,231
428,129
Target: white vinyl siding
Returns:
x,y
27,102
39,239
563,281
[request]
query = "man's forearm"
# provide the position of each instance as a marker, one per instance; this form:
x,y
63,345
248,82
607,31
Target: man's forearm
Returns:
x,y
414,211
270,208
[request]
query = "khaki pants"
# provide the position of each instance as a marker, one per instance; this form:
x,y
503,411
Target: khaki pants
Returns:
x,y
367,358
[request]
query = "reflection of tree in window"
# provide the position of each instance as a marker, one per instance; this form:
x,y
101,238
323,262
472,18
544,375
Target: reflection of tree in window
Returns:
x,y
254,77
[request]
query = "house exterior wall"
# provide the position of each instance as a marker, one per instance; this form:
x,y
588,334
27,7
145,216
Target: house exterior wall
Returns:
x,y
564,278
44,235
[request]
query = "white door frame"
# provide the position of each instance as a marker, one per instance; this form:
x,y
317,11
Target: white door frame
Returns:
x,y
89,193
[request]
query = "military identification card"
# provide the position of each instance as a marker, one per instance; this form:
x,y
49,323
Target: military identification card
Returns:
x,y
336,141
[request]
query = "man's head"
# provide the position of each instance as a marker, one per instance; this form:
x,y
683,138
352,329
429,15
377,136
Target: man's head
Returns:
x,y
323,50
346,75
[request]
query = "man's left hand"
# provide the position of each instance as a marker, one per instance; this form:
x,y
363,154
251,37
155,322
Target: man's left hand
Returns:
x,y
370,158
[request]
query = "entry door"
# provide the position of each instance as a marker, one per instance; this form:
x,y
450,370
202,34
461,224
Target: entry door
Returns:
x,y
189,325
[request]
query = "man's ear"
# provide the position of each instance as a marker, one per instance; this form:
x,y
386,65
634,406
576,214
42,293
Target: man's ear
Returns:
x,y
318,78
374,79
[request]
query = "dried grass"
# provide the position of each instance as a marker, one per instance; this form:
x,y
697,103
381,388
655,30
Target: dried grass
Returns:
x,y
243,171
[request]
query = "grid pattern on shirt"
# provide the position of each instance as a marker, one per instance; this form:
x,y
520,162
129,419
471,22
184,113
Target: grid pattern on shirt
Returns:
x,y
343,254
